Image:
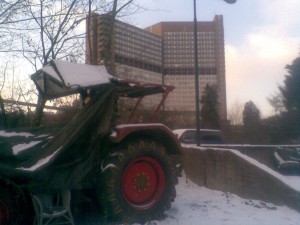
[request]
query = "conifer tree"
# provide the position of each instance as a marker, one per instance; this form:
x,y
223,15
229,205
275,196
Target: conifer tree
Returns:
x,y
209,108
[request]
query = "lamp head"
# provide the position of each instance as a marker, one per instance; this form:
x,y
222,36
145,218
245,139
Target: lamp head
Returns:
x,y
230,1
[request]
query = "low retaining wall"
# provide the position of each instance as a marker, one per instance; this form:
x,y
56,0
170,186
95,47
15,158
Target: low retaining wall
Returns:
x,y
262,153
232,171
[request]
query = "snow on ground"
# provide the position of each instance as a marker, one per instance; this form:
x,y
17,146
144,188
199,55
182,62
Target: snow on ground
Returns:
x,y
196,205
295,180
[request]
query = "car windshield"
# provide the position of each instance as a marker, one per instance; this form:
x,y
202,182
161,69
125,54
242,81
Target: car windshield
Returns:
x,y
207,137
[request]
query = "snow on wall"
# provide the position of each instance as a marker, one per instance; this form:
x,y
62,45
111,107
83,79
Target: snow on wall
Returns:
x,y
229,170
293,183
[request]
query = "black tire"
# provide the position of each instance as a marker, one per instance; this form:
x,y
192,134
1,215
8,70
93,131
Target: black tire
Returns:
x,y
138,182
15,209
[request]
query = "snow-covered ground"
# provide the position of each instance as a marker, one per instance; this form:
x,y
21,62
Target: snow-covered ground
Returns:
x,y
196,205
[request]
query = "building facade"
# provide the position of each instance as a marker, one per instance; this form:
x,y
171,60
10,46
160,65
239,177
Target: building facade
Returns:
x,y
164,53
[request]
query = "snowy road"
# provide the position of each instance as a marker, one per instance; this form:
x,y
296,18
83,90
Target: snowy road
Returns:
x,y
196,205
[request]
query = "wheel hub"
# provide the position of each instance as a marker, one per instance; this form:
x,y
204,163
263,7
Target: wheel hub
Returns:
x,y
143,183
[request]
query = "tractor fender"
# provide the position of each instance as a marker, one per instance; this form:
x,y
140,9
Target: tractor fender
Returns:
x,y
155,131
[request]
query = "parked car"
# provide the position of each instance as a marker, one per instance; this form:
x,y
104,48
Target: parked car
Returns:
x,y
287,160
207,136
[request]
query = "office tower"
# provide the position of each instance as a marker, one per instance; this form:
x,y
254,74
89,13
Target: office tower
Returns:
x,y
164,53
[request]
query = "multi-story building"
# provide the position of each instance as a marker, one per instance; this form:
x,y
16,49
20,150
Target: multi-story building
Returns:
x,y
179,64
164,53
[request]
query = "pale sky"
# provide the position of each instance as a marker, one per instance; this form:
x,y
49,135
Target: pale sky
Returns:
x,y
261,37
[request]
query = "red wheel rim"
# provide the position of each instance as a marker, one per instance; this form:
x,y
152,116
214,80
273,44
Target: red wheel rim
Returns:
x,y
4,213
143,183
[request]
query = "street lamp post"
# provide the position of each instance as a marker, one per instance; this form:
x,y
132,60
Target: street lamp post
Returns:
x,y
197,91
196,76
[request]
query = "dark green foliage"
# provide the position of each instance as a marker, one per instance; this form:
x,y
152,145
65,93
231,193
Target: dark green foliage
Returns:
x,y
290,90
251,114
253,133
209,108
283,128
15,119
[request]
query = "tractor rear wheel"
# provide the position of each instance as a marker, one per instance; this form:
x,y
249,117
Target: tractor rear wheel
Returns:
x,y
138,182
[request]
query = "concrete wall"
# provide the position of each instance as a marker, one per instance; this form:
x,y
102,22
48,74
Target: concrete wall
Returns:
x,y
262,153
225,171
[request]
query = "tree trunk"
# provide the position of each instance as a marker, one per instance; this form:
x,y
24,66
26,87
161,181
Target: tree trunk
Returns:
x,y
3,113
39,111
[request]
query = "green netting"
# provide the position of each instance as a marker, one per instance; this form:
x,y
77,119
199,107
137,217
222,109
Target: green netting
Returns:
x,y
71,153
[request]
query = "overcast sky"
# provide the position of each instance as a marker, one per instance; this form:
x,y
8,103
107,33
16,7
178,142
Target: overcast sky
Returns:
x,y
261,37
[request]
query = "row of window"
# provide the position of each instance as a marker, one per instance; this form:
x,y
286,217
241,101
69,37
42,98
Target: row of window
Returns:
x,y
156,50
180,60
187,50
137,31
170,65
190,37
191,84
208,53
188,33
146,53
139,64
189,65
153,61
192,78
137,41
189,71
190,47
205,52
178,55
185,42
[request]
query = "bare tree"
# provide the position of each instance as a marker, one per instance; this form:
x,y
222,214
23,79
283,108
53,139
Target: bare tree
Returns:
x,y
8,10
12,91
235,114
276,101
110,51
57,36
43,30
